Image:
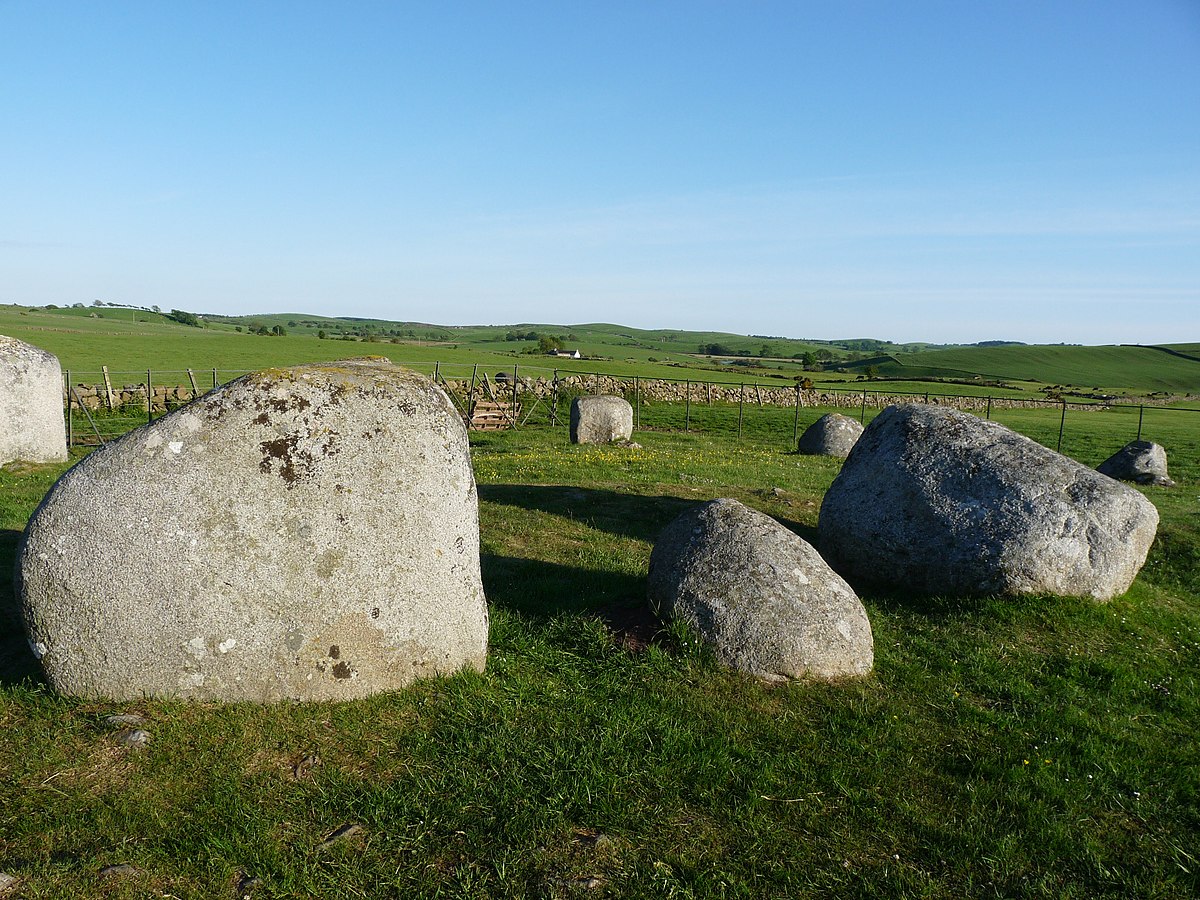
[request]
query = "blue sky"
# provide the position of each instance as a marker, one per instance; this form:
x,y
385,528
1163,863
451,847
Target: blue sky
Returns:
x,y
945,171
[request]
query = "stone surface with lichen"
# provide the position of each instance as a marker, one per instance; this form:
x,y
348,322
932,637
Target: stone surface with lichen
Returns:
x,y
305,533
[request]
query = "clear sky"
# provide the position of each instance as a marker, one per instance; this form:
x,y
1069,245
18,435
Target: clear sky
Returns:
x,y
948,171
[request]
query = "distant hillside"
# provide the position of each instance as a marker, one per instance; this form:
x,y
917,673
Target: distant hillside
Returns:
x,y
131,339
1107,368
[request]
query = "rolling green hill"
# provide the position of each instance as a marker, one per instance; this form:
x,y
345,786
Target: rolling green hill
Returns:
x,y
1110,368
132,340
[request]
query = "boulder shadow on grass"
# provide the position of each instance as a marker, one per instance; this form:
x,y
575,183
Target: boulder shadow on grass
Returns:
x,y
17,662
638,516
539,590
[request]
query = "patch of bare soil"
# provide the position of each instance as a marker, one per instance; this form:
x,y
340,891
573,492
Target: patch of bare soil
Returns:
x,y
632,625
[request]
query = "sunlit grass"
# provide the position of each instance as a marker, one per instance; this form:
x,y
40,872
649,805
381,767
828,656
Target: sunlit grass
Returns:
x,y
1038,747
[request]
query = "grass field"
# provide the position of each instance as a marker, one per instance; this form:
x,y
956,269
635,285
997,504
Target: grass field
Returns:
x,y
1040,747
131,341
1117,369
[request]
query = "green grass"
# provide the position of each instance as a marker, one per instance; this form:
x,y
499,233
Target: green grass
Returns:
x,y
1105,368
131,341
1039,747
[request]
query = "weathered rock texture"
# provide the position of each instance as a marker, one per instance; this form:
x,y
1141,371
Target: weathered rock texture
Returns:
x,y
307,533
937,501
762,596
1142,462
600,419
830,435
31,413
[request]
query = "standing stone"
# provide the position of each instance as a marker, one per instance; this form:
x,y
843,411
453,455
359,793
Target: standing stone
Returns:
x,y
31,404
831,435
600,419
308,533
761,596
1142,462
937,501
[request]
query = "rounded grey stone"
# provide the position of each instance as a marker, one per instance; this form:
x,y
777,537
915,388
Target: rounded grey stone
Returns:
x,y
600,419
831,435
31,404
937,501
1142,462
761,596
309,533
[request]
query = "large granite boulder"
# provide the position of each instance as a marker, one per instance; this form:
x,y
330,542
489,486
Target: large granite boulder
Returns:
x,y
936,501
831,435
761,596
31,404
308,533
600,419
1141,462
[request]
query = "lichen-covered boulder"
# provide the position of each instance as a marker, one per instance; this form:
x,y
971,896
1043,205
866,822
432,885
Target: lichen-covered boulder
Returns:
x,y
831,435
31,404
1142,462
600,419
308,533
760,595
936,501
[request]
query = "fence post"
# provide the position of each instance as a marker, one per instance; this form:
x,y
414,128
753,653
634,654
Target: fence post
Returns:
x,y
1141,412
70,424
149,398
554,400
192,378
437,371
214,379
108,395
513,423
471,395
1062,424
862,414
741,407
637,402
687,406
989,409
796,421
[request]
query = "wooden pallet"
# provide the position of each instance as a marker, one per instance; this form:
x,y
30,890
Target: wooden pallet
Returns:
x,y
492,415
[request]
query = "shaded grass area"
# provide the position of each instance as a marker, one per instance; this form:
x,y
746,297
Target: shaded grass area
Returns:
x,y
1040,747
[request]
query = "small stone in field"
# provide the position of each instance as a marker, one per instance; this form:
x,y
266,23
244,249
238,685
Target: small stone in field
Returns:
x,y
121,870
124,720
134,738
342,835
600,419
830,435
1143,462
7,882
304,767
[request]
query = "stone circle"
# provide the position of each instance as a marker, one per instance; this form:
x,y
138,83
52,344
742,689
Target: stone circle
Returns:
x,y
759,594
600,419
307,533
32,428
937,501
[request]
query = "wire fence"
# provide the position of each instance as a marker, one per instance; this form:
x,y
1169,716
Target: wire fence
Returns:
x,y
102,405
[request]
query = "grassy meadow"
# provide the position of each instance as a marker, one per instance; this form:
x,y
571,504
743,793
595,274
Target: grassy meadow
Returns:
x,y
1039,747
131,341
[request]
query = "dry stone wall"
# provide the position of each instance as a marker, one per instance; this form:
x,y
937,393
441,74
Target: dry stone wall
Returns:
x,y
165,397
